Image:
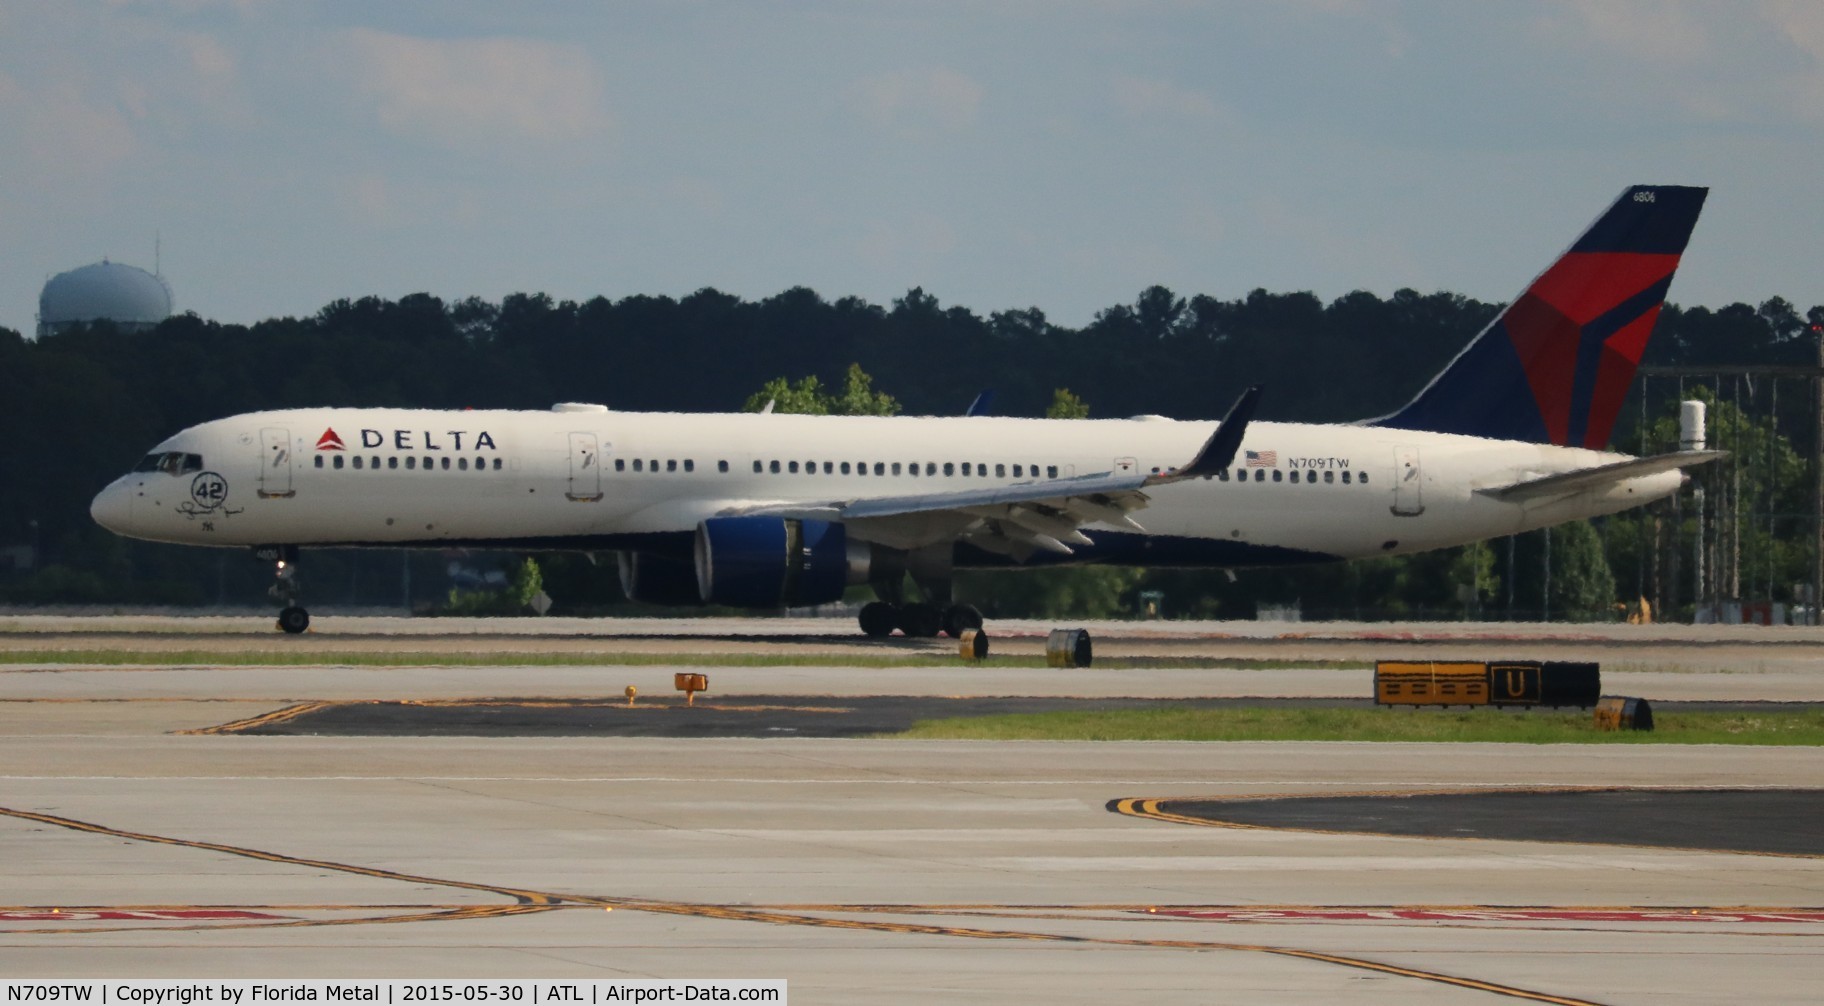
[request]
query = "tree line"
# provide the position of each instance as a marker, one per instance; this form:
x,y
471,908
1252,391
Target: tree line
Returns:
x,y
79,407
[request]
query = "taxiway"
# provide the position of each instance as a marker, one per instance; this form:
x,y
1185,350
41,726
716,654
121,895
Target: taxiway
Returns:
x,y
863,870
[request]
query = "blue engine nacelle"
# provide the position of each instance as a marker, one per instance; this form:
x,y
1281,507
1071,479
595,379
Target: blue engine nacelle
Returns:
x,y
771,562
658,579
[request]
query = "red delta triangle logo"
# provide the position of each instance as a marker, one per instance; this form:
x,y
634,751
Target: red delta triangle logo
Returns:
x,y
329,441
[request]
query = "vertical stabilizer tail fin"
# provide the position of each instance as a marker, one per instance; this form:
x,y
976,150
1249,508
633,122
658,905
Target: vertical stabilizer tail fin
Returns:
x,y
1555,366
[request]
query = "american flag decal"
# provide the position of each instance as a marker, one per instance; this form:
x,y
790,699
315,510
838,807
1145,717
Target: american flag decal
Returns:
x,y
1263,459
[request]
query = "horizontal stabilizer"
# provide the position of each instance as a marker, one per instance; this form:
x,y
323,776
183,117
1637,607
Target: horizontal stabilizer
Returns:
x,y
1565,483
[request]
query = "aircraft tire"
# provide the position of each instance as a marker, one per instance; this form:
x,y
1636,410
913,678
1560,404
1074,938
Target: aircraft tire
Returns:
x,y
920,621
960,618
878,618
294,619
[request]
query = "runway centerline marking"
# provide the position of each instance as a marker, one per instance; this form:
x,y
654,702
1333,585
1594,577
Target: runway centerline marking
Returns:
x,y
527,901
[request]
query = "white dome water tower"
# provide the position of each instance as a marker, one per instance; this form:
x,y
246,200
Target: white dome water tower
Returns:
x,y
132,299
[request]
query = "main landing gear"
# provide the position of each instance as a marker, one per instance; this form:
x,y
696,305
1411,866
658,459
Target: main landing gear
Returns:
x,y
292,617
931,571
919,621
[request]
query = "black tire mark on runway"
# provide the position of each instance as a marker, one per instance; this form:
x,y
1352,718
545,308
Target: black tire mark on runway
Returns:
x,y
538,901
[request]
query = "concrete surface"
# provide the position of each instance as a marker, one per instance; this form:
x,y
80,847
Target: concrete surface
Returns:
x,y
862,871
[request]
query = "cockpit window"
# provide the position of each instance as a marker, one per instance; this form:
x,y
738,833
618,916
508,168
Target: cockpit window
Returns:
x,y
171,463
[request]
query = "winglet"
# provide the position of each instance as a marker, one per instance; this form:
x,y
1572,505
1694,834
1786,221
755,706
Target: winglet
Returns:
x,y
1219,451
983,402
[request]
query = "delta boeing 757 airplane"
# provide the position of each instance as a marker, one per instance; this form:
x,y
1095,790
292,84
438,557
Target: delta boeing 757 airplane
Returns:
x,y
770,511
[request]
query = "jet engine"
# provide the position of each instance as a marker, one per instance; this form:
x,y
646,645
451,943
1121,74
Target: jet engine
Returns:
x,y
772,562
658,579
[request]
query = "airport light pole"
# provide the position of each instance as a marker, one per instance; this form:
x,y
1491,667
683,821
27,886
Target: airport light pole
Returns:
x,y
1817,551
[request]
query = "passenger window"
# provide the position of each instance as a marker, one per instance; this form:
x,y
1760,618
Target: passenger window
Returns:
x,y
638,465
1222,475
1260,474
912,469
966,470
829,467
949,468
1051,471
338,462
392,463
1310,477
880,467
671,465
896,468
620,464
411,462
1278,476
792,466
861,467
319,461
357,461
1345,478
1364,478
930,468
497,464
773,466
1241,474
1016,471
690,465
653,465
462,464
845,467
757,467
1000,471
722,466
446,464
1329,477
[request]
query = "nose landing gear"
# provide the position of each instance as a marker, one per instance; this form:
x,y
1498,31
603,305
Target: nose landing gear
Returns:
x,y
292,616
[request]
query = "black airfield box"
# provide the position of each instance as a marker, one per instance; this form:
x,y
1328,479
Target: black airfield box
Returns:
x,y
1486,683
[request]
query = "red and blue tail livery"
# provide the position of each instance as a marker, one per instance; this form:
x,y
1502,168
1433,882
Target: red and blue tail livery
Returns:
x,y
1555,366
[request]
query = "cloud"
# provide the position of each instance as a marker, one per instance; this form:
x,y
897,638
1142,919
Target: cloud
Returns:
x,y
1145,98
916,101
466,91
1642,29
64,130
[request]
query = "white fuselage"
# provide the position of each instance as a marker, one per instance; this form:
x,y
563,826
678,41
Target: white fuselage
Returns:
x,y
589,478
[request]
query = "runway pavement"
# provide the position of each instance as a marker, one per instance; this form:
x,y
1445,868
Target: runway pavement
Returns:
x,y
862,870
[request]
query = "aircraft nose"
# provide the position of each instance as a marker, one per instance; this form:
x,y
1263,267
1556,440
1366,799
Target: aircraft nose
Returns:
x,y
113,507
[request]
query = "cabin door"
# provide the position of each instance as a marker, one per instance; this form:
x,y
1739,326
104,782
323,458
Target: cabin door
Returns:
x,y
585,469
275,463
1407,500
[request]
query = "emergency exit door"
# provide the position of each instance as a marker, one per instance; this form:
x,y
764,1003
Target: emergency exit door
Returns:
x,y
585,469
1408,497
275,463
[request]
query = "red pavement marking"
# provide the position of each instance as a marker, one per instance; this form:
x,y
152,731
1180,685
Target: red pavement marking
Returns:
x,y
1489,915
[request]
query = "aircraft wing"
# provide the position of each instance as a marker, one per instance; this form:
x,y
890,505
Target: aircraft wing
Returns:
x,y
1565,483
1017,520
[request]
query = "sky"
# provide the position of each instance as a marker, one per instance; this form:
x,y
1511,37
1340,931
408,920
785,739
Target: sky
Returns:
x,y
1057,154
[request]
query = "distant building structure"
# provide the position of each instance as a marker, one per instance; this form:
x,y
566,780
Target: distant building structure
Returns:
x,y
133,299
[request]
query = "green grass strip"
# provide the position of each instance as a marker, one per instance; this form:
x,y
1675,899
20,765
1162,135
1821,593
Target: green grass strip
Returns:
x,y
516,658
1782,727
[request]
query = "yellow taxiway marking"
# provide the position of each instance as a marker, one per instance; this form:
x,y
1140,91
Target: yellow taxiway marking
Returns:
x,y
527,901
